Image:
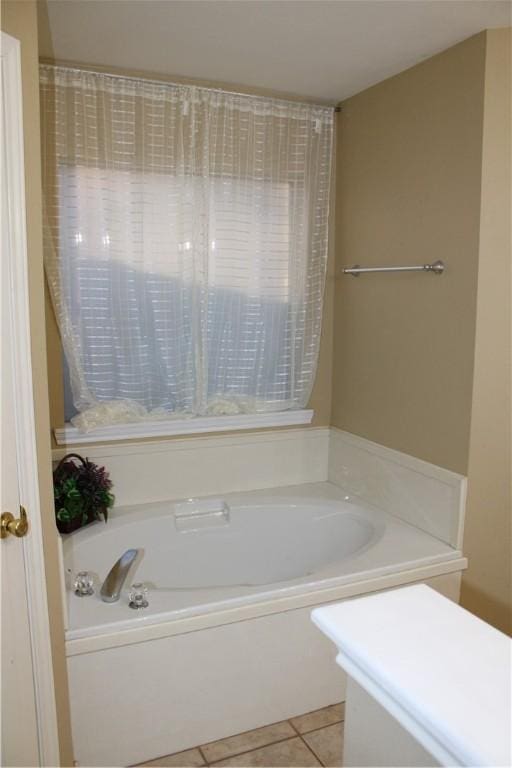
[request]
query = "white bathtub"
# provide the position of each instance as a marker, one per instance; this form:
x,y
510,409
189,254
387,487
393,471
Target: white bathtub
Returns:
x,y
226,643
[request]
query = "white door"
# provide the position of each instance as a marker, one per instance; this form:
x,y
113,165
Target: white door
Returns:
x,y
18,709
28,718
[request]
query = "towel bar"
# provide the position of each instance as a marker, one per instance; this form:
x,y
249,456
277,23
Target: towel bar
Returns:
x,y
437,268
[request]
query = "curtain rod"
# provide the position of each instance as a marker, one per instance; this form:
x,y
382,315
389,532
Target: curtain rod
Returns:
x,y
171,84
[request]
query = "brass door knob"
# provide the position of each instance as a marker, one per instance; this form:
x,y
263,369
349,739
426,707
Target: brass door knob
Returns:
x,y
15,526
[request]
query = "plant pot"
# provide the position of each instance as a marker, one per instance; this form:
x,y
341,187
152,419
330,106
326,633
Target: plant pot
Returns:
x,y
68,526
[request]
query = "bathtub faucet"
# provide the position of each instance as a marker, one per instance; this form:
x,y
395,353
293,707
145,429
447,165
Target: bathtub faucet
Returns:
x,y
113,584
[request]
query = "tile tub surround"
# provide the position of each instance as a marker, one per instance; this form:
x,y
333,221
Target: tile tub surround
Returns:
x,y
313,739
422,494
145,472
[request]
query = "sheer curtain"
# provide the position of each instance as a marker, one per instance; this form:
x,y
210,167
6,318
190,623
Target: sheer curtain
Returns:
x,y
185,245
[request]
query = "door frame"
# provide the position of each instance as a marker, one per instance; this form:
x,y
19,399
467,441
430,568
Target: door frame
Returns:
x,y
15,269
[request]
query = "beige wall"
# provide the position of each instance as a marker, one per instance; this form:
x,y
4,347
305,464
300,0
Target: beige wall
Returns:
x,y
422,363
487,586
19,20
408,192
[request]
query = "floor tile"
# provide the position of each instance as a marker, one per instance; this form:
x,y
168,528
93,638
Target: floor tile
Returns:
x,y
188,759
327,744
243,742
319,718
292,752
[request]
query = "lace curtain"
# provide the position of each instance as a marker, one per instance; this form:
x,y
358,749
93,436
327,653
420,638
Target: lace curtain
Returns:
x,y
185,245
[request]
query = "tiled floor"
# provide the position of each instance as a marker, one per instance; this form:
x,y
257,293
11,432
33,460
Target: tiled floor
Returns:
x,y
309,740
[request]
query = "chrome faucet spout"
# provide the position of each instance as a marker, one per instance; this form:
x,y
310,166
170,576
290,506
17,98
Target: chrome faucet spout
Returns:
x,y
113,584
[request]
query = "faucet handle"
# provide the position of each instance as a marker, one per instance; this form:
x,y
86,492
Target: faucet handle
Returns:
x,y
83,584
138,596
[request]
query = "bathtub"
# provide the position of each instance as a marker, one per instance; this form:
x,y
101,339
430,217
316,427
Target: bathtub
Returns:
x,y
226,643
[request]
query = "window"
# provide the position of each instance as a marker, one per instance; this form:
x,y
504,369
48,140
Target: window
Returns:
x,y
185,246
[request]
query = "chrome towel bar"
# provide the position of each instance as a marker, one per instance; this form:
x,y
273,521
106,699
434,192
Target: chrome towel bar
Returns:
x,y
437,268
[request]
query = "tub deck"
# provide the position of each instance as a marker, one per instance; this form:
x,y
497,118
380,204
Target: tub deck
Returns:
x,y
397,547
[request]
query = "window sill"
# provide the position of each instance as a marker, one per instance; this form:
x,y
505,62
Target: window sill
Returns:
x,y
69,435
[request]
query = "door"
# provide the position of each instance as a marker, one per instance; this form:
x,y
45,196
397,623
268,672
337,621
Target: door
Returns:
x,y
18,710
28,717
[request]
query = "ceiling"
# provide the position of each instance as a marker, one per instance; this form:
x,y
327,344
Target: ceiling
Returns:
x,y
326,50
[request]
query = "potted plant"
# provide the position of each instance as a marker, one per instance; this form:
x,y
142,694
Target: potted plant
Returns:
x,y
81,492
